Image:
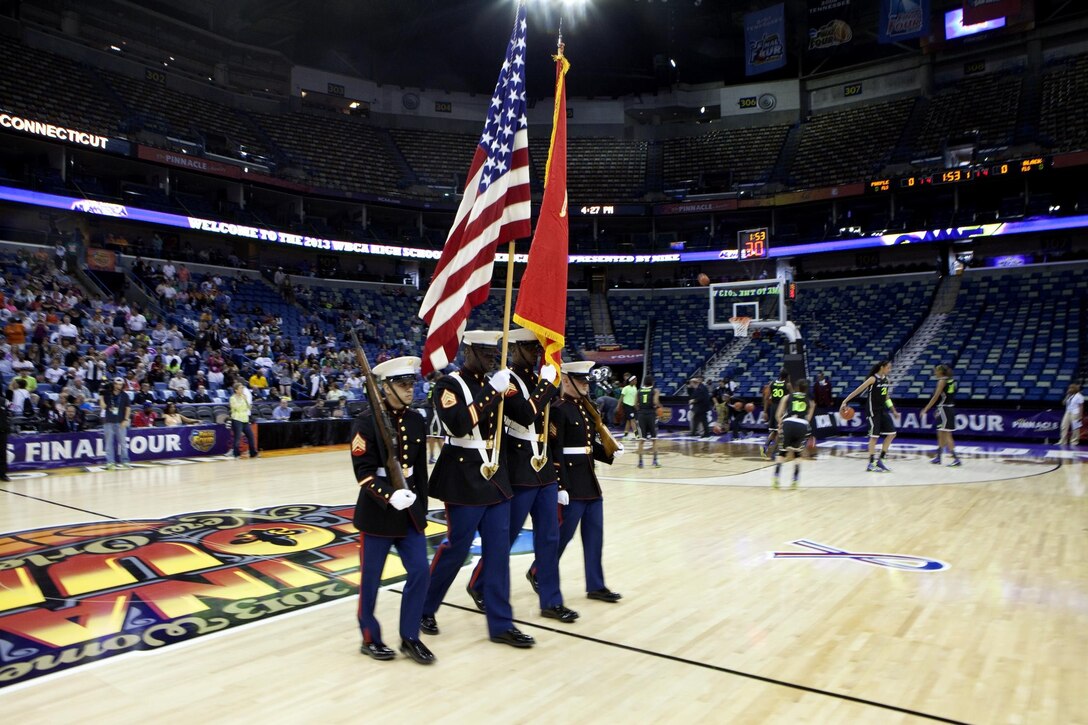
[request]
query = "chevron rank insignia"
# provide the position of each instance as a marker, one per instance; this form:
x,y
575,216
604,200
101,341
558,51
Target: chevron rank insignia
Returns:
x,y
358,445
512,390
448,399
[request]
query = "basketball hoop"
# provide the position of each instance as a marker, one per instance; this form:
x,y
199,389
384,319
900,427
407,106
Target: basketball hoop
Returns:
x,y
740,326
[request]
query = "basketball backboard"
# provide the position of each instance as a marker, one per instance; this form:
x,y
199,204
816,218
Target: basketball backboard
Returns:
x,y
762,300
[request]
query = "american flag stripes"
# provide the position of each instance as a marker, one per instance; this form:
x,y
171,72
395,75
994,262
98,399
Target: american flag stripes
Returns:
x,y
495,209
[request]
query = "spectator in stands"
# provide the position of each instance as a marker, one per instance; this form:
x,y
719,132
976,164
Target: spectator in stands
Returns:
x,y
54,372
94,371
145,417
171,416
335,394
240,408
143,395
201,395
282,411
116,410
258,382
75,389
317,410
169,271
15,333
190,363
137,323
68,331
179,384
31,383
20,404
1073,418
157,372
74,420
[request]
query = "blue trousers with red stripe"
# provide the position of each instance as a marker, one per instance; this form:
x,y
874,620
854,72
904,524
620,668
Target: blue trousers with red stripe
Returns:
x,y
373,550
590,513
493,523
542,502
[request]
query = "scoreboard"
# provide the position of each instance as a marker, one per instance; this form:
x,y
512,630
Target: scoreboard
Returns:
x,y
960,175
753,243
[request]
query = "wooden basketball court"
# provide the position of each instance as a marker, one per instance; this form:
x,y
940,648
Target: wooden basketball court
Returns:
x,y
984,620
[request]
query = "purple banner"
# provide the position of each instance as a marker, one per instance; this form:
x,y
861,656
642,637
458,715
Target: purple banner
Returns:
x,y
61,450
1000,423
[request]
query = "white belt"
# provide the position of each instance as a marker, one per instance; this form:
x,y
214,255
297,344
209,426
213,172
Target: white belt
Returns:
x,y
468,443
577,450
522,435
382,473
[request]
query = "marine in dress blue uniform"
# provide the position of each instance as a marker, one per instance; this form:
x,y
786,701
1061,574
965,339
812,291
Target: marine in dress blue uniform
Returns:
x,y
467,405
580,496
387,516
536,492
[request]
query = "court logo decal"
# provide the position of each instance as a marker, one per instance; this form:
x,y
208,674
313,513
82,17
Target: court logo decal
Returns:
x,y
81,593
202,440
905,562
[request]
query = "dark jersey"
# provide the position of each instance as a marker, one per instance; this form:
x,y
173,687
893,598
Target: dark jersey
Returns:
x,y
798,406
878,395
778,391
948,395
645,400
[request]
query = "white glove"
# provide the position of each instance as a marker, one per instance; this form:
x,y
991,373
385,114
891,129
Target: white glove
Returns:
x,y
402,498
619,452
547,373
564,498
500,381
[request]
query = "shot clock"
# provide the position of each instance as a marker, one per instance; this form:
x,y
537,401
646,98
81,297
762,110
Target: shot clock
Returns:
x,y
753,243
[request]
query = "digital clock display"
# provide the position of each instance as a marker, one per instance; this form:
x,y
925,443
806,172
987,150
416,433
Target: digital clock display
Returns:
x,y
598,209
753,243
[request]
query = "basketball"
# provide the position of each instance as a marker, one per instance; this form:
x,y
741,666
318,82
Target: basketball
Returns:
x,y
751,407
703,279
847,413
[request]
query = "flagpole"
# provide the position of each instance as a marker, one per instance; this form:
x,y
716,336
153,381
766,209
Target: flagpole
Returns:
x,y
492,466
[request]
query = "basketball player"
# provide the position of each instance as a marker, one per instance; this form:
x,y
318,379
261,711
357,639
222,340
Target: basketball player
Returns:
x,y
773,395
795,411
385,515
1073,418
649,403
944,397
880,412
629,396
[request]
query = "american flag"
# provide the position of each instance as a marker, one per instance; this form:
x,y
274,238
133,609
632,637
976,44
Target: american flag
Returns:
x,y
494,210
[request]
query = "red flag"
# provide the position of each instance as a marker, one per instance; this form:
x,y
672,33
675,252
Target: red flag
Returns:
x,y
542,296
495,209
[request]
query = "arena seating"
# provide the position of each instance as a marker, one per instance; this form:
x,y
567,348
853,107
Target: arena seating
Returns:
x,y
187,115
849,145
981,107
437,158
1013,335
600,168
1063,124
49,88
359,161
722,159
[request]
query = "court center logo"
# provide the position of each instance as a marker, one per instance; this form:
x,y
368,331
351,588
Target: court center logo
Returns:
x,y
75,594
904,562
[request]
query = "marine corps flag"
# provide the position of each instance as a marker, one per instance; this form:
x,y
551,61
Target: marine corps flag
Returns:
x,y
542,297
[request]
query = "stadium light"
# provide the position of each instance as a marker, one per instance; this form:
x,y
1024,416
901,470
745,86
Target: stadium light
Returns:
x,y
672,62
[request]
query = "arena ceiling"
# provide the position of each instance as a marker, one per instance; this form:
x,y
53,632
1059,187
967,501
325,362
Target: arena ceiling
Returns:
x,y
616,46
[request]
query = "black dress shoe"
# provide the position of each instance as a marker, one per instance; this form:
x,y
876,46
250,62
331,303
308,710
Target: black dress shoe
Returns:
x,y
417,651
560,612
532,581
427,625
377,650
477,597
514,638
5,478
605,595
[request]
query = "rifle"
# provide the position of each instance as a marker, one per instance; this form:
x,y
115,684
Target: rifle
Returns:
x,y
607,441
387,450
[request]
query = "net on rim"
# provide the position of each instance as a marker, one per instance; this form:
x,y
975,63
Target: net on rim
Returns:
x,y
740,325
